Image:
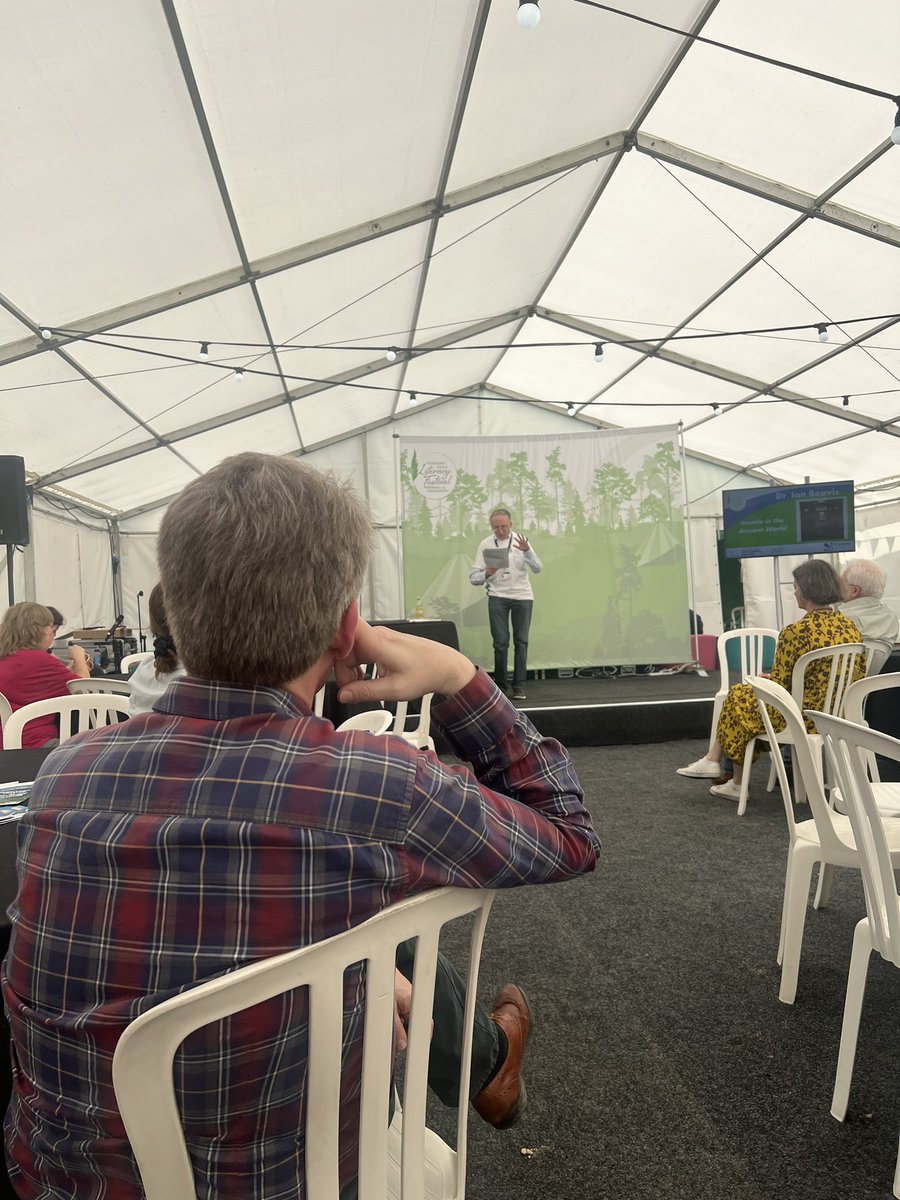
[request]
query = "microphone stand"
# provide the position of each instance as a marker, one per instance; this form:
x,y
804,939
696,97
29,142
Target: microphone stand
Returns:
x,y
141,638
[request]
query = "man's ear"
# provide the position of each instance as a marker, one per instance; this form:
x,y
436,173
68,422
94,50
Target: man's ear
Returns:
x,y
342,642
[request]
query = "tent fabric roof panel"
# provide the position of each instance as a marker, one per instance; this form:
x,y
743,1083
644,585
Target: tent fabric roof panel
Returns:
x,y
522,107
266,433
782,125
121,167
339,411
458,368
322,124
122,487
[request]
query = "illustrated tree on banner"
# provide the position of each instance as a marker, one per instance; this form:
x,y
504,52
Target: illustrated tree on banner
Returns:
x,y
604,513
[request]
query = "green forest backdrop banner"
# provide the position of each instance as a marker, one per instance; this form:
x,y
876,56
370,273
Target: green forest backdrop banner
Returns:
x,y
603,511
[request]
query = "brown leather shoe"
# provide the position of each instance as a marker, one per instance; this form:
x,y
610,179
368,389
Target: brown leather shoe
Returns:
x,y
503,1100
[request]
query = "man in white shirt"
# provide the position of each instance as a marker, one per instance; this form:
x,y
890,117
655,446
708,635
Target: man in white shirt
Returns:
x,y
862,584
510,598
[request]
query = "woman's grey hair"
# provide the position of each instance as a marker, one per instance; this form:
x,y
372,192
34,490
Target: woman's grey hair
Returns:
x,y
259,558
818,581
866,575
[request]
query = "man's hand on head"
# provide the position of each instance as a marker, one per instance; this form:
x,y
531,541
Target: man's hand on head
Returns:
x,y
408,667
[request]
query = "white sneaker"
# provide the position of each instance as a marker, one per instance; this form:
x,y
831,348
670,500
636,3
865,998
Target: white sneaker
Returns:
x,y
703,768
730,790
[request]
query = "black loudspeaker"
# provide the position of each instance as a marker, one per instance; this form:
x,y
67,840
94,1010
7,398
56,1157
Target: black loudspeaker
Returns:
x,y
13,501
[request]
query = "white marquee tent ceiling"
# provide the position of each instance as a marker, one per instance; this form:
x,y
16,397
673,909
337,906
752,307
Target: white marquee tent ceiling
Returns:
x,y
307,185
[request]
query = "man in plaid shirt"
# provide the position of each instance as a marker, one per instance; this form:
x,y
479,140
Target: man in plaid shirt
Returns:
x,y
229,824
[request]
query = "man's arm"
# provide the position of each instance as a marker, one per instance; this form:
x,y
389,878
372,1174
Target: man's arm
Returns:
x,y
531,559
480,572
519,818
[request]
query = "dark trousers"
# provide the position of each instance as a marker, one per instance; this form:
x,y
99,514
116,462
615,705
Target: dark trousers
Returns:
x,y
448,1013
500,612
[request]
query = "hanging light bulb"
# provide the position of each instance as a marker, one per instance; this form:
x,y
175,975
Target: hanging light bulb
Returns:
x,y
845,403
46,334
598,352
204,350
529,14
895,132
570,409
390,354
822,331
238,375
413,399
716,410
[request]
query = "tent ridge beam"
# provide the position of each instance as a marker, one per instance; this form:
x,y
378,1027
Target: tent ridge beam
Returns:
x,y
769,189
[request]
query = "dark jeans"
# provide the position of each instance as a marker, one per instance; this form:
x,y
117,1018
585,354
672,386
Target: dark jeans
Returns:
x,y
500,610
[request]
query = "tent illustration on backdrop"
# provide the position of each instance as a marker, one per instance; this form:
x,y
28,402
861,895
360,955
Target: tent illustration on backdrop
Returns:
x,y
450,595
661,549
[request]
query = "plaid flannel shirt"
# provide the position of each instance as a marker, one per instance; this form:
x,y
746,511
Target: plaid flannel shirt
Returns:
x,y
228,825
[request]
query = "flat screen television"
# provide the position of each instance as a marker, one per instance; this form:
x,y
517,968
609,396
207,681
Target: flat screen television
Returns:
x,y
809,518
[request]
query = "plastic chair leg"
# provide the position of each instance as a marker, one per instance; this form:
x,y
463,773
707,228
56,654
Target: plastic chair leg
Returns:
x,y
897,1175
853,1002
745,777
773,773
823,889
785,905
803,859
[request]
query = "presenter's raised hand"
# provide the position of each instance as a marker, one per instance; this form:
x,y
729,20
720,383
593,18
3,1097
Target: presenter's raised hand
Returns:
x,y
408,667
521,543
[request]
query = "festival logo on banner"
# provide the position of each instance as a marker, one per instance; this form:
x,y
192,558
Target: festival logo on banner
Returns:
x,y
435,475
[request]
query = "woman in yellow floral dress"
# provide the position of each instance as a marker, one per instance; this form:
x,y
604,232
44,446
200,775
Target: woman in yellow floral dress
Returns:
x,y
816,588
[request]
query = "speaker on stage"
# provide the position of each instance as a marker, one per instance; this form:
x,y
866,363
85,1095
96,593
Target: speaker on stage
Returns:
x,y
13,501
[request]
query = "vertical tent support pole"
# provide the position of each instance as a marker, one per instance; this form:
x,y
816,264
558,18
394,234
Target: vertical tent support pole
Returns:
x,y
9,575
689,545
398,500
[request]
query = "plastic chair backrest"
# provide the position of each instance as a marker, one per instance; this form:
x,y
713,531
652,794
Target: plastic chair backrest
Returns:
x,y
877,652
840,674
377,720
420,736
110,687
92,710
769,692
5,711
142,1065
132,660
319,702
855,705
744,652
848,747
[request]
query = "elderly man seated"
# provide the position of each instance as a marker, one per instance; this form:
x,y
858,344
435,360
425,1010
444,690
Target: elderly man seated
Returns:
x,y
862,585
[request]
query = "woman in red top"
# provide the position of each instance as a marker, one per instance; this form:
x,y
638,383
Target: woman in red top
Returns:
x,y
28,672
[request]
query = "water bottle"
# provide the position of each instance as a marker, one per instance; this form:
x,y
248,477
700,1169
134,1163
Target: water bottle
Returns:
x,y
419,614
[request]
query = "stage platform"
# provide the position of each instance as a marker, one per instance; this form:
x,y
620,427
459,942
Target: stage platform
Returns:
x,y
624,709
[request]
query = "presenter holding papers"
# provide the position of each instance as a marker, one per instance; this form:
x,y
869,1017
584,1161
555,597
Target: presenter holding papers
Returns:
x,y
500,567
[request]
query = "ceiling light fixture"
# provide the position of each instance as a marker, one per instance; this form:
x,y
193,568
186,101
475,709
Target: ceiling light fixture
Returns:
x,y
413,399
570,409
204,350
46,334
598,352
390,354
845,403
238,375
716,410
529,14
822,331
895,132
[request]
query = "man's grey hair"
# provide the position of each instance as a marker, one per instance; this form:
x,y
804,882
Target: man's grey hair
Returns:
x,y
500,512
258,560
866,575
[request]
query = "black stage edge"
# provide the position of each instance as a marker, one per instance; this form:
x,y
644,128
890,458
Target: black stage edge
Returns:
x,y
622,710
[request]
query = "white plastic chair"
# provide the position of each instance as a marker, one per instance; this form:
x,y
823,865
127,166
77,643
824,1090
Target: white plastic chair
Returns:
x,y
849,748
887,795
753,650
142,1067
111,687
319,702
826,839
420,735
840,676
5,712
377,720
878,650
132,660
92,710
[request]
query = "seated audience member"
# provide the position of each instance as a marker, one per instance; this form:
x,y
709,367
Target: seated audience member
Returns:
x,y
29,673
862,586
151,677
230,824
816,588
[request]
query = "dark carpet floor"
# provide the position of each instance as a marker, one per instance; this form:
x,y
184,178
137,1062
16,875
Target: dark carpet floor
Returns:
x,y
663,1063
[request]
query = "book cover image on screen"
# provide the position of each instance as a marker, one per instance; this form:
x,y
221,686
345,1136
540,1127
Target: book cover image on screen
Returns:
x,y
809,518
